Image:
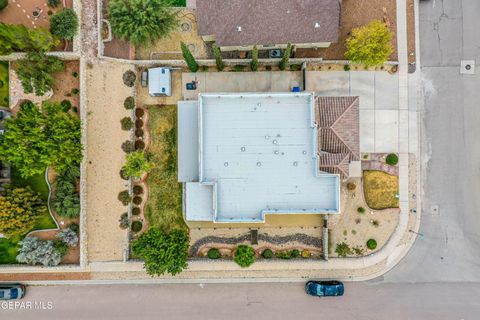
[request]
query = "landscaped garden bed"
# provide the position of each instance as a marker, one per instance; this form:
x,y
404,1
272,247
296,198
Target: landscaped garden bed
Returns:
x,y
4,95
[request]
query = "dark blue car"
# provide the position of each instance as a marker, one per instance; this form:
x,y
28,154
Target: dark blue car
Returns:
x,y
329,288
11,291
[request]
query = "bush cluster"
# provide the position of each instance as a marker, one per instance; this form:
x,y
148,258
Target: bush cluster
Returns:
x,y
244,256
66,201
214,253
129,103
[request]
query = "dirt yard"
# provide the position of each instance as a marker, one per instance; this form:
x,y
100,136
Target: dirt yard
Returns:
x,y
356,13
105,96
66,82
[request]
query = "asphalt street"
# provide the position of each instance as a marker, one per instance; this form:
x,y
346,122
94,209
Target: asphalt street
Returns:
x,y
438,279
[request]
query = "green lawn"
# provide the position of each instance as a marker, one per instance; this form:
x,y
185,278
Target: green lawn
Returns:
x,y
4,84
164,206
9,247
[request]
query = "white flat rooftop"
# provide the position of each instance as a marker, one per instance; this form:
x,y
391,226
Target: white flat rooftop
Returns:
x,y
258,154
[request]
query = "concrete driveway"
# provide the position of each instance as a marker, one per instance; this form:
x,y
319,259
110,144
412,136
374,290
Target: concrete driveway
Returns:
x,y
275,81
378,92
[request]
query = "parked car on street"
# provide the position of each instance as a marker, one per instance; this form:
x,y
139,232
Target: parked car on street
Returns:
x,y
330,288
9,291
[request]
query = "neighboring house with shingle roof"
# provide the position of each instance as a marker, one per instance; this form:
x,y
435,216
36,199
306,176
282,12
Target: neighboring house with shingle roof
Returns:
x,y
338,133
241,24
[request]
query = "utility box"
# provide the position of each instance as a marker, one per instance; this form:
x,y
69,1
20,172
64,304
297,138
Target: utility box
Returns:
x,y
160,82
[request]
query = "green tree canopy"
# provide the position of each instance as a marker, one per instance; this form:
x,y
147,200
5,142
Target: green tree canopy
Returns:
x,y
370,44
35,139
141,22
18,38
64,24
137,164
66,201
162,252
36,72
19,210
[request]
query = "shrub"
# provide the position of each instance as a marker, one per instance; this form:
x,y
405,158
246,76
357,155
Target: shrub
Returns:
x,y
53,3
238,67
361,210
69,237
128,146
135,211
126,123
139,145
343,249
64,24
74,227
19,210
141,22
139,112
371,244
267,254
129,78
287,254
3,4
137,200
218,57
75,74
129,103
139,133
137,190
214,253
123,221
75,91
136,226
286,56
66,105
36,72
35,251
189,59
61,247
351,186
254,62
295,67
370,44
123,175
137,164
346,67
66,201
391,159
244,256
162,252
138,123
306,254
375,223
204,68
268,68
124,197
294,253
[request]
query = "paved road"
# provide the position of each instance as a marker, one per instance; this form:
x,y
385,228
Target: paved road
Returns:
x,y
251,301
450,249
439,278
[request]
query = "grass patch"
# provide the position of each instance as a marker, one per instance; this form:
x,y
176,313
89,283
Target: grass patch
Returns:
x,y
9,247
380,189
4,101
164,205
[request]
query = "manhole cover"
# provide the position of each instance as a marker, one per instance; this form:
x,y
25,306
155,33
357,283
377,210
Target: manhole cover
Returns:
x,y
434,210
467,67
185,26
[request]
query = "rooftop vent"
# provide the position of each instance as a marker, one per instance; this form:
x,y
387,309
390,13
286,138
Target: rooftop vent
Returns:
x,y
239,28
317,25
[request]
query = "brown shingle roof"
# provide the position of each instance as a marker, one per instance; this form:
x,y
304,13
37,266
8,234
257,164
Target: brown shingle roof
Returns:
x,y
338,132
268,21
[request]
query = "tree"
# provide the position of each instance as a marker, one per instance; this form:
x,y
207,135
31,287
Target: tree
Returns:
x,y
218,57
286,56
35,251
19,210
3,4
254,62
64,24
189,58
18,38
141,22
162,252
370,44
69,237
35,139
244,256
36,72
66,201
137,164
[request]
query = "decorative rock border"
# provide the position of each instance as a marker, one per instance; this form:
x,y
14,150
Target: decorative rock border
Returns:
x,y
275,240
